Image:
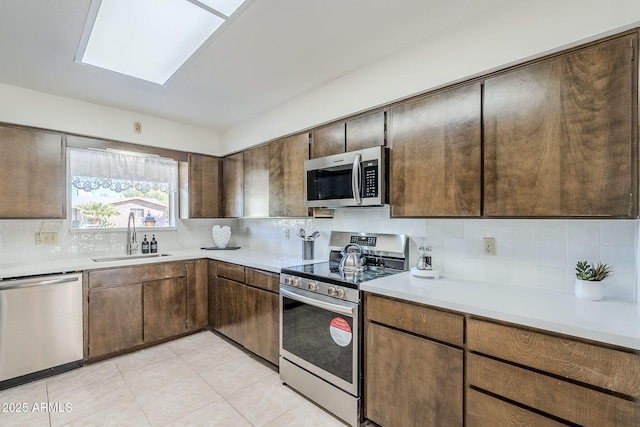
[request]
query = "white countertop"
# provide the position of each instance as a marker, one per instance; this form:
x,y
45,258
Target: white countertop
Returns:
x,y
611,321
259,259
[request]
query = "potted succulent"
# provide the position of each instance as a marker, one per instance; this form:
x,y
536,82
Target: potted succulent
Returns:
x,y
589,279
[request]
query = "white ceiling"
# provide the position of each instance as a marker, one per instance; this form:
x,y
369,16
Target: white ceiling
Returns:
x,y
273,51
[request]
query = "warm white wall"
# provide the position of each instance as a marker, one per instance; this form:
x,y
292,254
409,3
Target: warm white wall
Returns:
x,y
39,109
516,31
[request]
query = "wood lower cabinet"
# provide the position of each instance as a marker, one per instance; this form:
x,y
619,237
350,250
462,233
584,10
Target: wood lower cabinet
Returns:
x,y
197,293
32,174
560,135
128,307
533,378
247,308
115,319
409,379
165,308
435,149
262,323
231,309
286,176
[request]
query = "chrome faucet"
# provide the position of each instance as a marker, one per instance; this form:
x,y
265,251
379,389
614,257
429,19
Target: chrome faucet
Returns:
x,y
132,242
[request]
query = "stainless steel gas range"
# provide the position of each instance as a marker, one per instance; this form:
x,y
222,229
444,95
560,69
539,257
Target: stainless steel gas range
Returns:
x,y
321,320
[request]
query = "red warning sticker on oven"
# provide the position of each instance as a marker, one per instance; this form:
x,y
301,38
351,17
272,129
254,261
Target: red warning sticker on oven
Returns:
x,y
340,331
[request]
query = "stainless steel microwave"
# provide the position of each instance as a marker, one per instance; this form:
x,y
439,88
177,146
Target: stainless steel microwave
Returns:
x,y
356,178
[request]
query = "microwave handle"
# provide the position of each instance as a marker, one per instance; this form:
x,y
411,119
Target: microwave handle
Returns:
x,y
355,179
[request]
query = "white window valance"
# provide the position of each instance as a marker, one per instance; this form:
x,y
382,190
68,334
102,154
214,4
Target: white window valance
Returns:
x,y
120,171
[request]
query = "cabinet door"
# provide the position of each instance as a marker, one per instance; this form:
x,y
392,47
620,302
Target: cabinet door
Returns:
x,y
165,308
115,319
435,154
328,140
262,334
286,176
231,309
366,131
232,178
559,135
197,294
205,176
411,381
32,174
256,182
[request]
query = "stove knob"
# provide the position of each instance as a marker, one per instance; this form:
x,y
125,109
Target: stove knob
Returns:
x,y
340,293
313,286
331,291
287,280
296,282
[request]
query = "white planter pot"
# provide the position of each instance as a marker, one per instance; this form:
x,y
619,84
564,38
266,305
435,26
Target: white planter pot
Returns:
x,y
589,290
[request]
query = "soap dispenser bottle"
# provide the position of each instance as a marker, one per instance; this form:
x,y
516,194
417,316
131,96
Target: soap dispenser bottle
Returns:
x,y
154,245
145,245
424,256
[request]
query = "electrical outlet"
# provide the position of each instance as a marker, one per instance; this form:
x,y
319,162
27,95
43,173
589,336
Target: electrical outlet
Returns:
x,y
46,238
137,127
287,233
488,246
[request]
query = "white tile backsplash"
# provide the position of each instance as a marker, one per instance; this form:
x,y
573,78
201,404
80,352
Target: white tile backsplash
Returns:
x,y
539,253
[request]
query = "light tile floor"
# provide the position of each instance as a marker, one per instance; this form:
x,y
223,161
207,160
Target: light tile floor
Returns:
x,y
198,380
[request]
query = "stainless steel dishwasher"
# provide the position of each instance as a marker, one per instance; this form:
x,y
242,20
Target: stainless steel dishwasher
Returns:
x,y
40,327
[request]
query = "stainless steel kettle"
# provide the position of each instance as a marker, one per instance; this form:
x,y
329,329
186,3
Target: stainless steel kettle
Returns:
x,y
352,259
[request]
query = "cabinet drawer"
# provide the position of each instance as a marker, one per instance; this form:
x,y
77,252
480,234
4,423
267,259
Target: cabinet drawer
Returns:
x,y
418,319
135,274
568,401
262,279
486,411
609,369
230,271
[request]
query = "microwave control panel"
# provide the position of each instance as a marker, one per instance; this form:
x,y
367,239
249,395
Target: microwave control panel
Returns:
x,y
370,173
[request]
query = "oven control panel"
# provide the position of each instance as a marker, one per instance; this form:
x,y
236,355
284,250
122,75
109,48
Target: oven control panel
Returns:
x,y
319,287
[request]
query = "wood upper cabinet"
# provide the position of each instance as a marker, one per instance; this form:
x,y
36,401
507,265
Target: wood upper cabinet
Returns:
x,y
354,134
256,182
232,186
366,131
286,176
435,166
328,140
204,182
560,135
409,379
32,174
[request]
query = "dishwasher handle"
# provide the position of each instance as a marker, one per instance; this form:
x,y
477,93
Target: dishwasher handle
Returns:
x,y
30,283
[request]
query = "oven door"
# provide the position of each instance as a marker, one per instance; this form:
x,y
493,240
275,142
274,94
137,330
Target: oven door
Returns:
x,y
321,335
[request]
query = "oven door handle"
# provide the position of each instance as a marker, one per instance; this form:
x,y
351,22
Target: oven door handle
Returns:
x,y
347,311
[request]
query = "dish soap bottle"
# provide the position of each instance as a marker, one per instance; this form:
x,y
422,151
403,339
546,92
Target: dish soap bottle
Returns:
x,y
154,245
145,245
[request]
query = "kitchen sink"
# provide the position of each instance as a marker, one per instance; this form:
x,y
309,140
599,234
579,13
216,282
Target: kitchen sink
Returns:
x,y
126,257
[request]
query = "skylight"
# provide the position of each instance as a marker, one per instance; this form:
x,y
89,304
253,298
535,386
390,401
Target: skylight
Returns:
x,y
149,39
